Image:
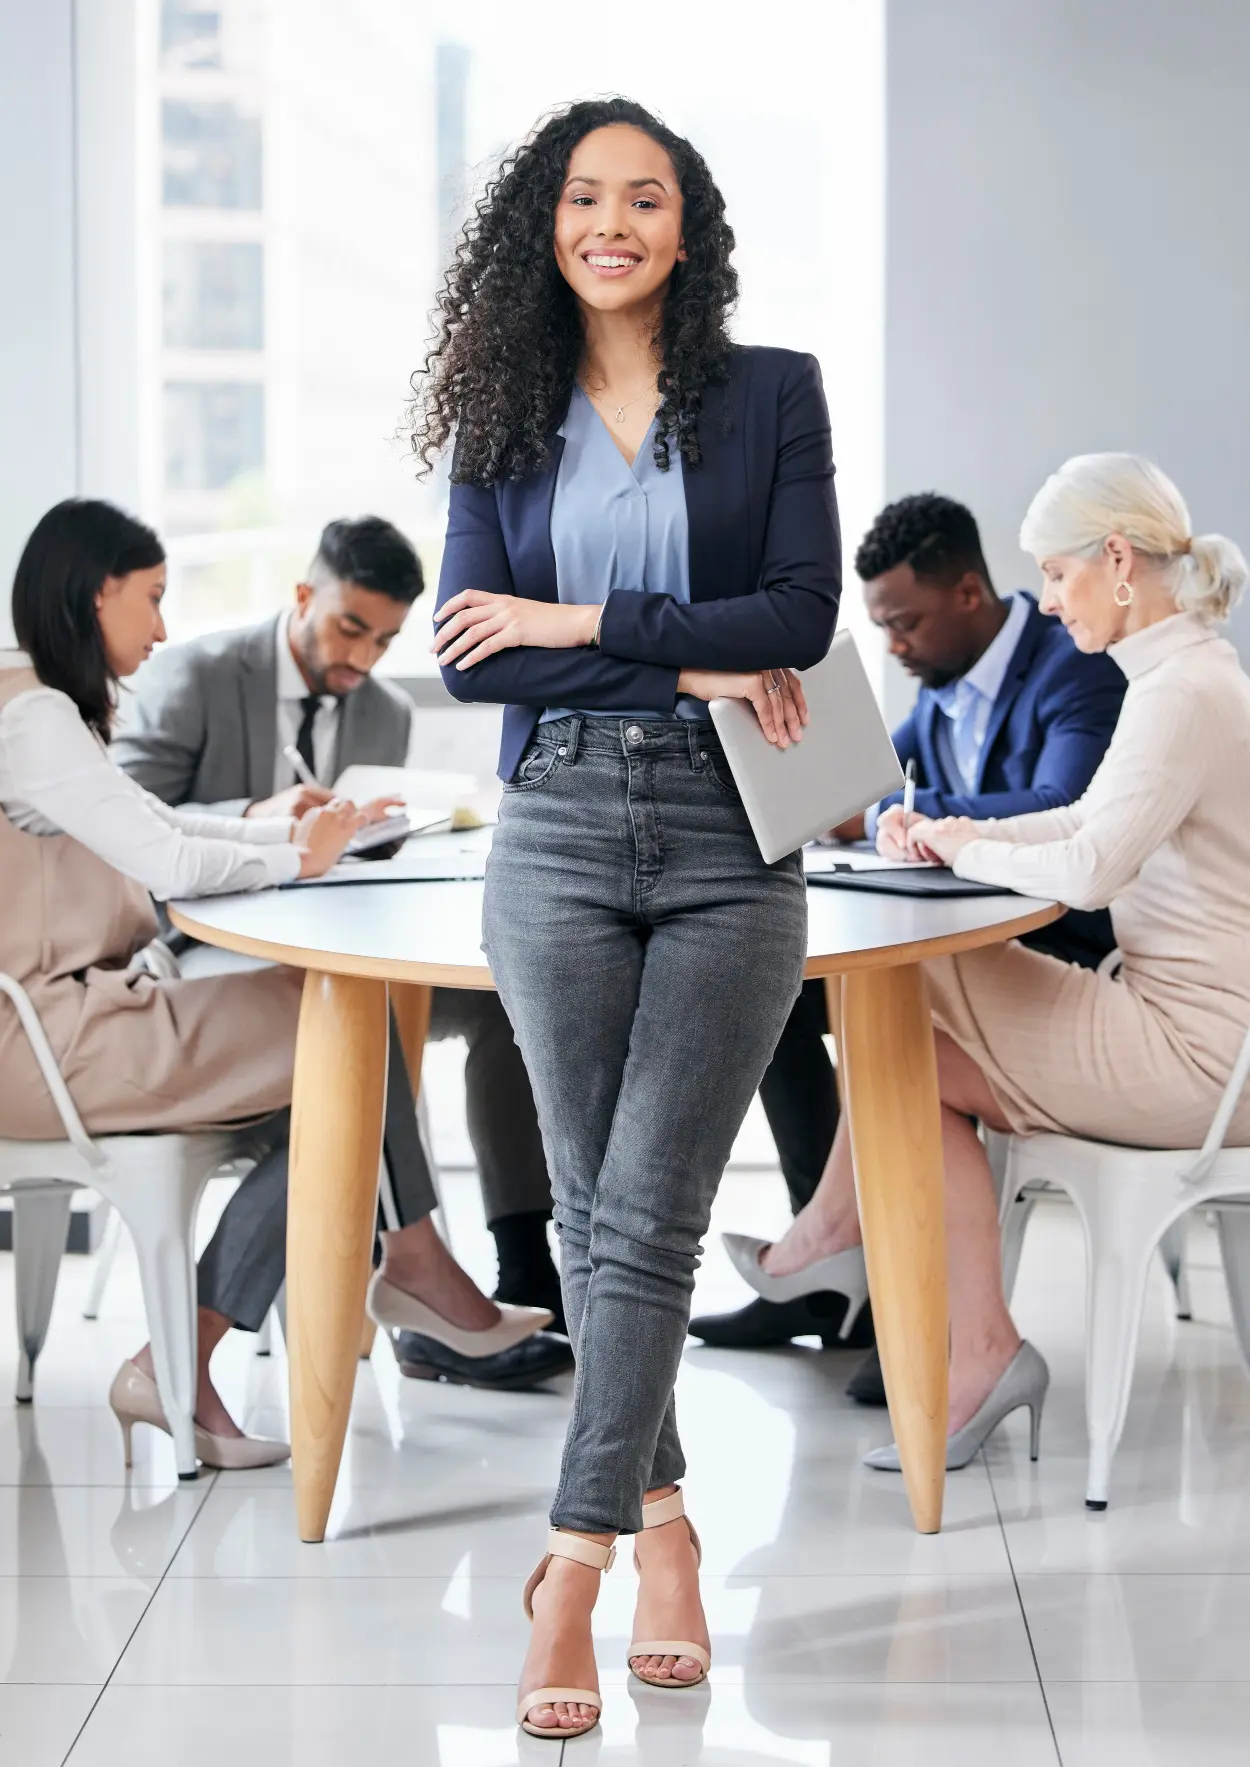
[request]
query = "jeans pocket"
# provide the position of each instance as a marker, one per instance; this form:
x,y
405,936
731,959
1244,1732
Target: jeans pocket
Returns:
x,y
717,769
537,766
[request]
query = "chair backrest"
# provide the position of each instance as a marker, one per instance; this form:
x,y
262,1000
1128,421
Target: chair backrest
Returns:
x,y
75,1134
1231,1098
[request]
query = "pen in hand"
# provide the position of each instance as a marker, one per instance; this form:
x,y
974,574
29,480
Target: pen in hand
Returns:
x,y
304,773
909,796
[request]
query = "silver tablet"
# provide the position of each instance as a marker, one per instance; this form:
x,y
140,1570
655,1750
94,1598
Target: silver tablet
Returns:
x,y
845,761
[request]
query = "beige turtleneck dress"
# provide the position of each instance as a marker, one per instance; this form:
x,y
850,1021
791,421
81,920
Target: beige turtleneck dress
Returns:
x,y
1162,839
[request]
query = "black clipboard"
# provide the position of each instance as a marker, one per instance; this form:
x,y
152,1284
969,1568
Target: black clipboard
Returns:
x,y
923,881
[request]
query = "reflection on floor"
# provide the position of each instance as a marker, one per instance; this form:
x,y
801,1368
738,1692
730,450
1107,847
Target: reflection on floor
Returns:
x,y
144,1625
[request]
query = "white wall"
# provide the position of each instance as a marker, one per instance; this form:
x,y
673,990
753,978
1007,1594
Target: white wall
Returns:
x,y
1068,255
38,379
68,321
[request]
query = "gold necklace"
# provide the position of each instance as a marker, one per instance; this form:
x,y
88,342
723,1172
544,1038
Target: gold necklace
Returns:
x,y
620,409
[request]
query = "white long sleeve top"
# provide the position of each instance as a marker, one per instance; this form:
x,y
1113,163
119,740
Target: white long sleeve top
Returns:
x,y
56,777
1162,835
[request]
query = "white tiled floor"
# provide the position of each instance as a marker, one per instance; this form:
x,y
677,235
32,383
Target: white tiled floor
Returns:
x,y
143,1624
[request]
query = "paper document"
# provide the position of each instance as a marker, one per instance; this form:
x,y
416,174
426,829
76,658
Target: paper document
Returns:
x,y
457,799
435,858
822,860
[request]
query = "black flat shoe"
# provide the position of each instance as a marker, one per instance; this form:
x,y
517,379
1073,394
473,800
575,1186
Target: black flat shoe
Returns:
x,y
867,1385
528,1364
764,1325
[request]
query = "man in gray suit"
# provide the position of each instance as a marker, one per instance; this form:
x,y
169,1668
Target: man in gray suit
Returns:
x,y
213,726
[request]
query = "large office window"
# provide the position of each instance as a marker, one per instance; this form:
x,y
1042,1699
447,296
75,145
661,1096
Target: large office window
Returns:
x,y
310,164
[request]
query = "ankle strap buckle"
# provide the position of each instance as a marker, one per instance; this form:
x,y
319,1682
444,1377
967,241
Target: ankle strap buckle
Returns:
x,y
582,1551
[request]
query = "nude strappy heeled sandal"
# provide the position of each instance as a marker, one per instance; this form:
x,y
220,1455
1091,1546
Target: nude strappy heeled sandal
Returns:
x,y
597,1558
658,1515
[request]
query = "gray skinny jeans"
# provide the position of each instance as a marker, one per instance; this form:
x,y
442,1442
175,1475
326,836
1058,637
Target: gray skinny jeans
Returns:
x,y
648,960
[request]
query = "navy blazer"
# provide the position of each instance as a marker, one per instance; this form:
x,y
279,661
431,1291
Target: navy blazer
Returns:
x,y
765,561
1048,732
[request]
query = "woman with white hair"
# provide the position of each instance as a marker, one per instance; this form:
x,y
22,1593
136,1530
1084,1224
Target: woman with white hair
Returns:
x,y
1027,1043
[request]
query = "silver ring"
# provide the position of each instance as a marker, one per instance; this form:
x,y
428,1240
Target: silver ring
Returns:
x,y
772,690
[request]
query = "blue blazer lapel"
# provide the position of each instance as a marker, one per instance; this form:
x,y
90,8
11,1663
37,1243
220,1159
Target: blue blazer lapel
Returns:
x,y
258,690
1017,674
717,502
927,714
525,516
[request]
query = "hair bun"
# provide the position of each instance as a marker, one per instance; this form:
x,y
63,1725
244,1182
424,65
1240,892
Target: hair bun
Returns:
x,y
1212,577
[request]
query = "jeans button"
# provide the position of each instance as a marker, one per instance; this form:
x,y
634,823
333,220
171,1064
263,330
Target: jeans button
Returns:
x,y
634,733
562,750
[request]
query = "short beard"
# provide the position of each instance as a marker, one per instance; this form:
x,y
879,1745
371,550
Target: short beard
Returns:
x,y
305,647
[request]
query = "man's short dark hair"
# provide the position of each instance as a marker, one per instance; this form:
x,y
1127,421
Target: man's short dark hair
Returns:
x,y
935,535
372,553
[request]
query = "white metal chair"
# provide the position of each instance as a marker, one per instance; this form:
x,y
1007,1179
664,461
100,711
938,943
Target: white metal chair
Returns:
x,y
1130,1199
154,1182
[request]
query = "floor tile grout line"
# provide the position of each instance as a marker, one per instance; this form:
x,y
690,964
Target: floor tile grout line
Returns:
x,y
108,1681
1028,1630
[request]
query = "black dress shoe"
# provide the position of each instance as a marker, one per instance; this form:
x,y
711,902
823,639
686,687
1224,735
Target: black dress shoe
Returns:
x,y
527,1364
763,1325
867,1385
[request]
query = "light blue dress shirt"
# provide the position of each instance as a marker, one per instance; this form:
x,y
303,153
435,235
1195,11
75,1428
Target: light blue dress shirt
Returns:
x,y
969,701
617,525
967,704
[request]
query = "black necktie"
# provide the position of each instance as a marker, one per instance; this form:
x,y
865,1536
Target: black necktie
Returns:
x,y
304,741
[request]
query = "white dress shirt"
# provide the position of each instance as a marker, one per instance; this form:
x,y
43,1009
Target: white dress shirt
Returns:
x,y
292,690
968,702
56,777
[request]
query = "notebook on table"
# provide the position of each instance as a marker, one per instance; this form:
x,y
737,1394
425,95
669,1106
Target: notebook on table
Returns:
x,y
858,866
911,880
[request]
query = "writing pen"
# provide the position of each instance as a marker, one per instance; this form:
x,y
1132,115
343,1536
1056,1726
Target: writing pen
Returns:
x,y
909,795
304,773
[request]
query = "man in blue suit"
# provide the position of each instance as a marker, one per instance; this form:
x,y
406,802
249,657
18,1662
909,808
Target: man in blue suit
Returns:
x,y
1010,718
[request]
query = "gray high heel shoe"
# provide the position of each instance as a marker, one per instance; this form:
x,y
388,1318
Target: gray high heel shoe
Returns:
x,y
1023,1382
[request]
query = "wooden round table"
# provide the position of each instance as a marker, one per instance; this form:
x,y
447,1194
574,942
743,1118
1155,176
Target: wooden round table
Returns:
x,y
359,942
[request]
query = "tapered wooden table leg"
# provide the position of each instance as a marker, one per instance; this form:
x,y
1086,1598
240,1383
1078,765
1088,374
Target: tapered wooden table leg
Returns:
x,y
896,1138
336,1144
833,1007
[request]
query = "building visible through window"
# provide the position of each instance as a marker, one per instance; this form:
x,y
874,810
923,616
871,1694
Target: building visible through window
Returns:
x,y
214,433
214,295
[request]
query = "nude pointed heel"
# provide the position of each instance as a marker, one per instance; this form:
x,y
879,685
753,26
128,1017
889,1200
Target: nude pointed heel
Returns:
x,y
596,1558
658,1515
843,1273
133,1398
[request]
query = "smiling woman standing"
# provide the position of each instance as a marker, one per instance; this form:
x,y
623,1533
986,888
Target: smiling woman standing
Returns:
x,y
642,518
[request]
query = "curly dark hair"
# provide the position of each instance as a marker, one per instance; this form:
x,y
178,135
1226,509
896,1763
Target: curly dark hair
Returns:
x,y
509,338
936,536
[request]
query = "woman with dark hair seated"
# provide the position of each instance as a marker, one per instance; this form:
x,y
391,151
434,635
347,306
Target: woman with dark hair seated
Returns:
x,y
82,851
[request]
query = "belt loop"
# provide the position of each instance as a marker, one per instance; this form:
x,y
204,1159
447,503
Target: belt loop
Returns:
x,y
692,741
575,740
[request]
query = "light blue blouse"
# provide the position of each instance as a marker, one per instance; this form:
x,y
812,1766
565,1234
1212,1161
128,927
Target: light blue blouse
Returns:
x,y
617,525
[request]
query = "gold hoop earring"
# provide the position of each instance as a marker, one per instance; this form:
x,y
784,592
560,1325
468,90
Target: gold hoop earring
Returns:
x,y
1125,599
